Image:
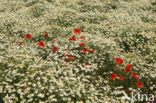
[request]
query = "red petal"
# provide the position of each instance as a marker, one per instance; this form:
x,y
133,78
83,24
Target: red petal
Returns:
x,y
77,31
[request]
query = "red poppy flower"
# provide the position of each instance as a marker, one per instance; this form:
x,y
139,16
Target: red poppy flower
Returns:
x,y
54,41
87,64
46,34
70,58
73,38
121,77
139,84
54,48
82,37
19,43
77,31
129,66
113,76
41,44
85,50
82,44
134,75
91,51
27,36
127,70
119,61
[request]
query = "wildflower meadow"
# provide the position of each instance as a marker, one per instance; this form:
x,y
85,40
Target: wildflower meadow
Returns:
x,y
77,51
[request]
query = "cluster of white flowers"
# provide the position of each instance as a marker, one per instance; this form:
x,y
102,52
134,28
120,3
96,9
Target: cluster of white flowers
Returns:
x,y
112,28
27,73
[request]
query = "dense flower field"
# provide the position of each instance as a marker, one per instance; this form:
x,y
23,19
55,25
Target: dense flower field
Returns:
x,y
77,51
